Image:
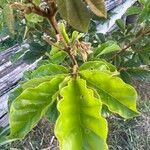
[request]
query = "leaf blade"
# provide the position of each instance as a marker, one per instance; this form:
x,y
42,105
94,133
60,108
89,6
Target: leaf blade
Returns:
x,y
30,106
75,13
90,131
118,96
97,7
49,70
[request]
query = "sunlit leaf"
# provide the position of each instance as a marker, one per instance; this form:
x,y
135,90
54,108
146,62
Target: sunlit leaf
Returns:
x,y
98,65
80,125
118,96
30,106
49,69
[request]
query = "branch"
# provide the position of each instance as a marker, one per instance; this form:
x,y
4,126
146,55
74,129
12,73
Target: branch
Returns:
x,y
50,14
74,71
131,43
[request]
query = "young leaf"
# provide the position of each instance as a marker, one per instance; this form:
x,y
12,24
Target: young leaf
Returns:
x,y
75,13
64,33
30,106
75,36
118,96
98,7
80,125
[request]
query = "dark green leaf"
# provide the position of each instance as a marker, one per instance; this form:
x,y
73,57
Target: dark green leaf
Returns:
x,y
133,10
52,113
75,13
121,24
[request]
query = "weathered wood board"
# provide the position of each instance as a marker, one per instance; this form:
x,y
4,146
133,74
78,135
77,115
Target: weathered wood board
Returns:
x,y
10,74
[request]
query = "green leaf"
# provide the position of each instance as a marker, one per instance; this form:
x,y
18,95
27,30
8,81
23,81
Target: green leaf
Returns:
x,y
105,48
58,57
2,3
52,113
30,106
29,84
145,14
31,57
133,10
118,96
34,18
76,36
121,24
36,50
125,76
98,65
54,50
97,7
36,81
142,1
49,70
64,33
75,13
3,133
80,125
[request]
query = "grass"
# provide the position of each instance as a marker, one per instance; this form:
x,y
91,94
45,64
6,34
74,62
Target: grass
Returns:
x,y
41,138
133,134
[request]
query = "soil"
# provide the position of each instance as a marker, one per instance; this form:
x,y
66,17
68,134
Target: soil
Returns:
x,y
143,89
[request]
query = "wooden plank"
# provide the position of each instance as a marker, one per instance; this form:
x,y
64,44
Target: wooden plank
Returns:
x,y
118,12
10,74
7,81
4,121
5,55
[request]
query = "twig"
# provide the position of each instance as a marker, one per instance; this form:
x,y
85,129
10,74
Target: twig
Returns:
x,y
131,43
50,14
51,42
